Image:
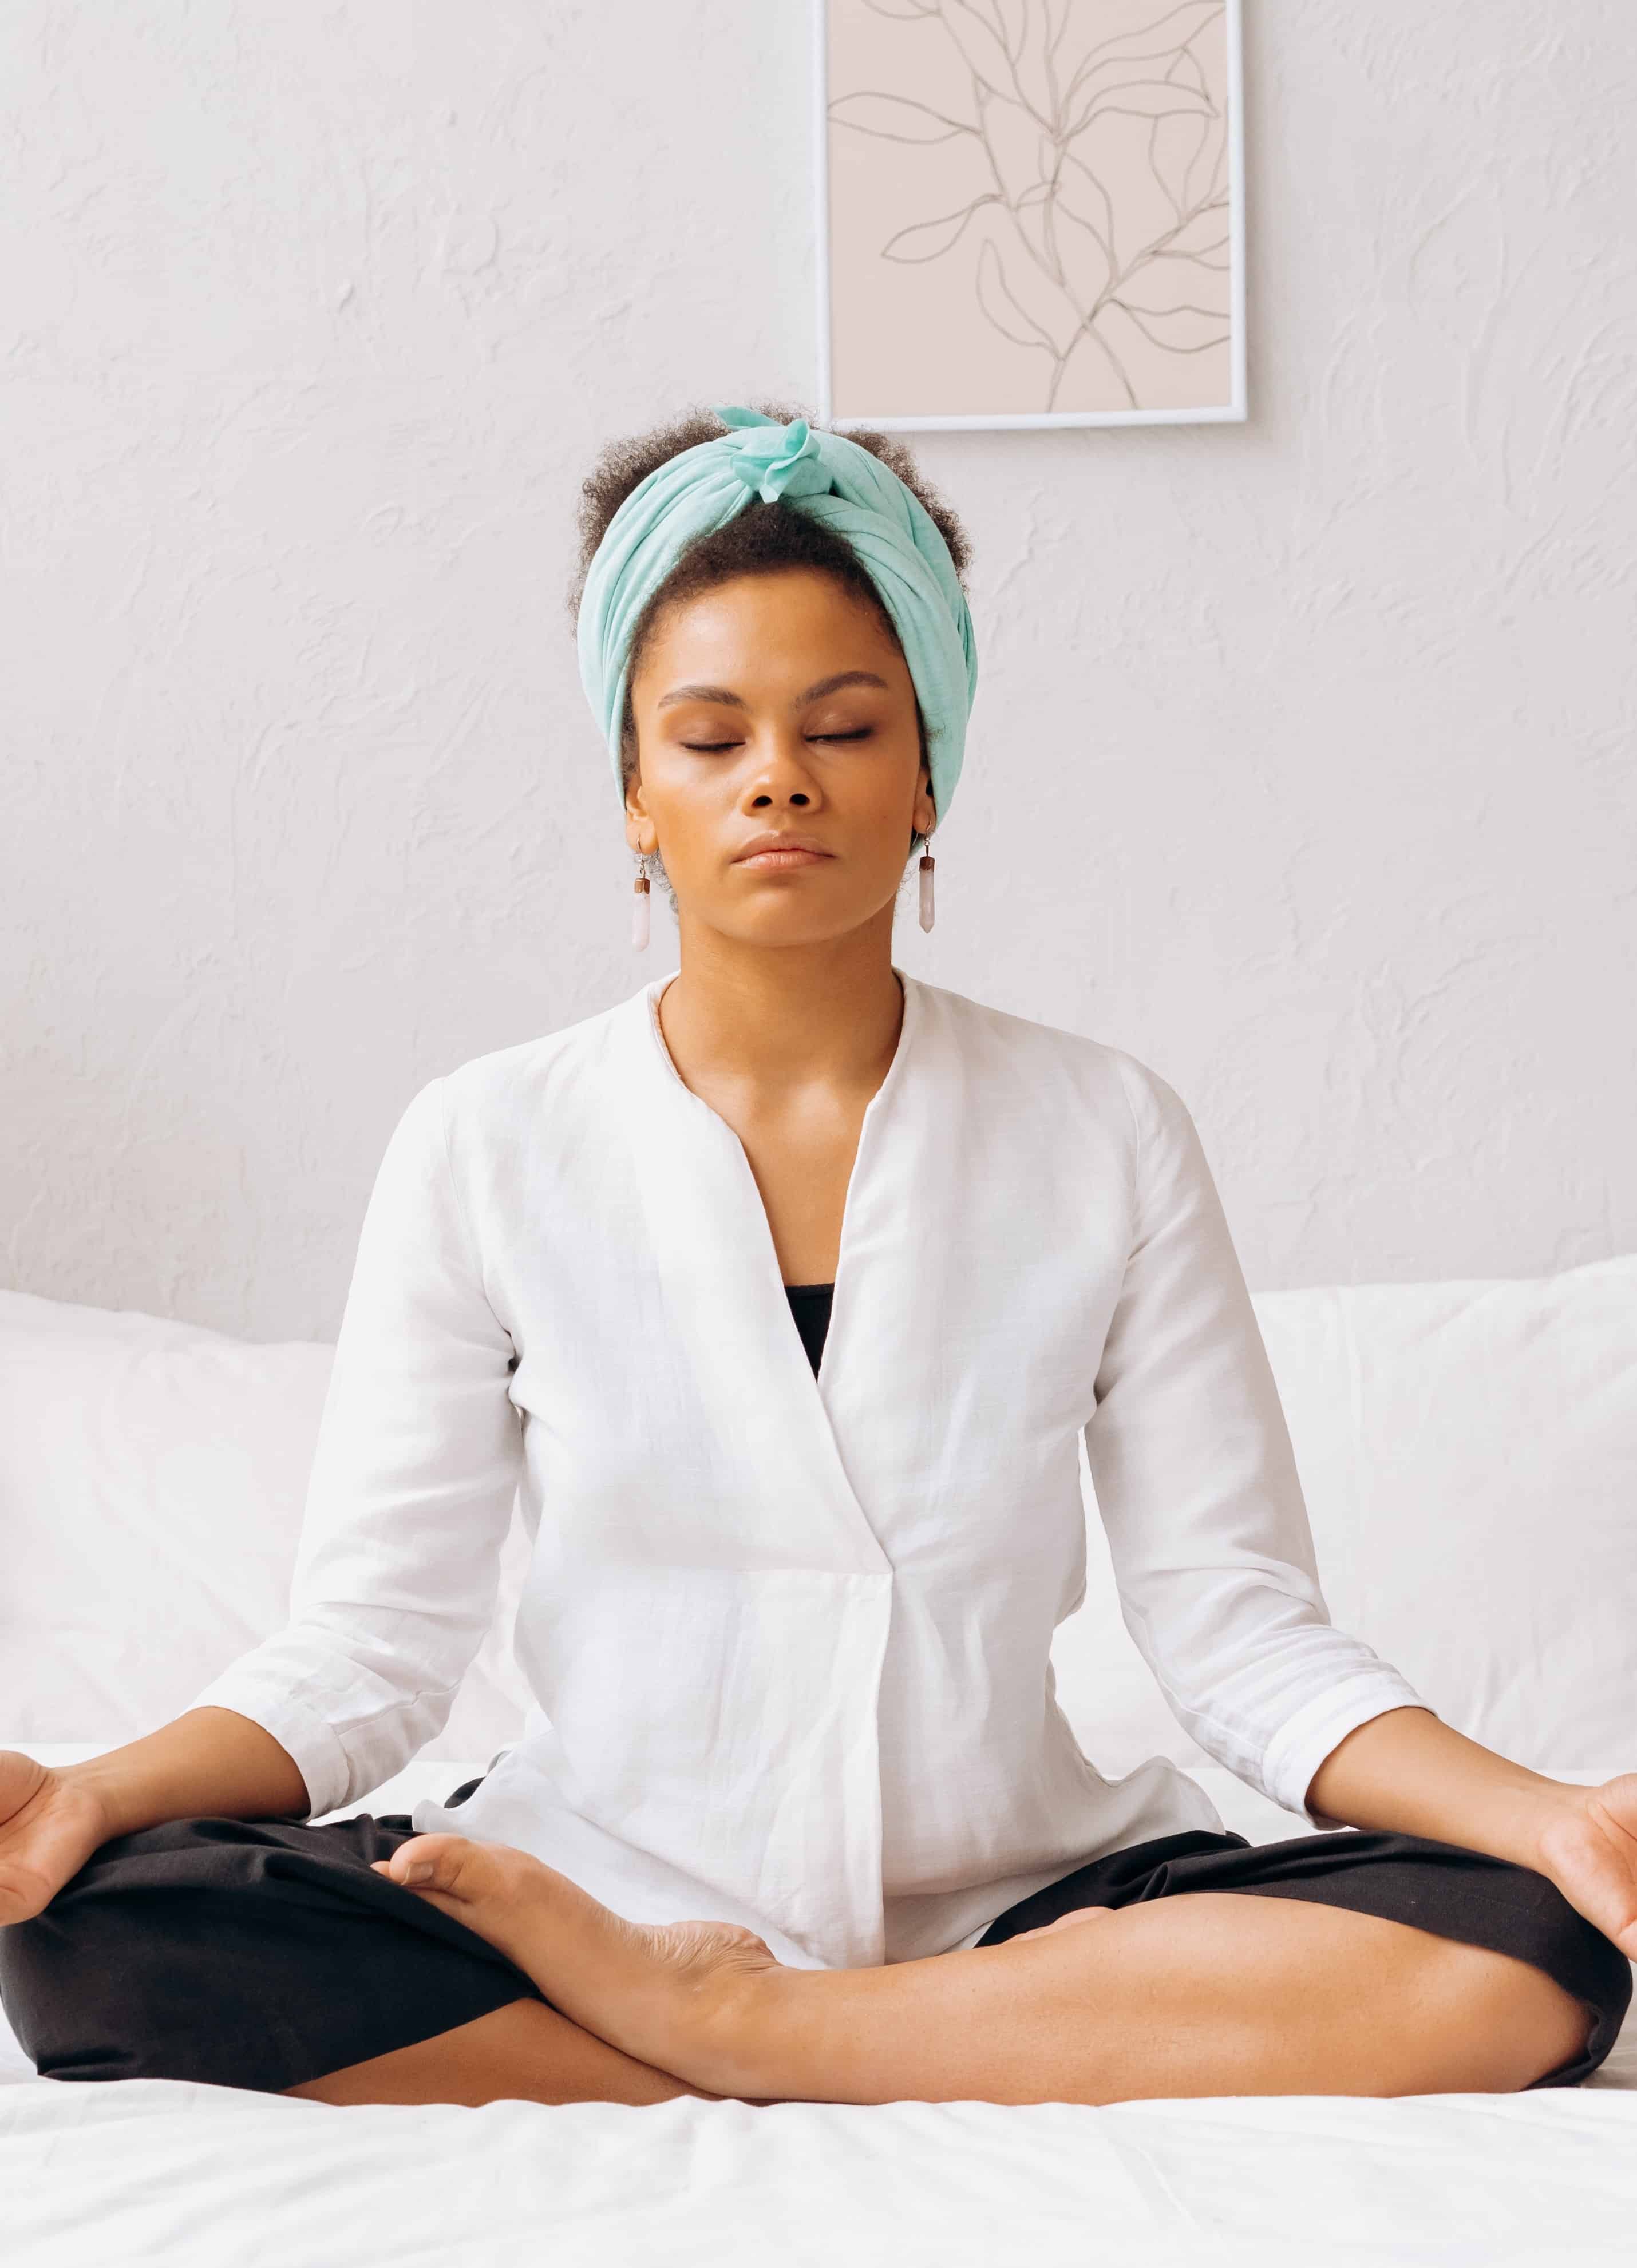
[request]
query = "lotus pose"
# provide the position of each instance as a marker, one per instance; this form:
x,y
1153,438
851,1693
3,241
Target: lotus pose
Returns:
x,y
776,1301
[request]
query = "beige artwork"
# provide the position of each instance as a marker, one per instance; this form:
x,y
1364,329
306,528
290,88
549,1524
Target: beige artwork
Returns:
x,y
1030,210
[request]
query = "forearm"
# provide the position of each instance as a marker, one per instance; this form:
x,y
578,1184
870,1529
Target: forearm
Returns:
x,y
208,1763
1408,1771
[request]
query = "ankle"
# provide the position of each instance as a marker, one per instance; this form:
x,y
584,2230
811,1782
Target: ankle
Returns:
x,y
738,2036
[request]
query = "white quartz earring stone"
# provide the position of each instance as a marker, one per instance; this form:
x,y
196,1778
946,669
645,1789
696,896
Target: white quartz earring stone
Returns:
x,y
639,915
926,889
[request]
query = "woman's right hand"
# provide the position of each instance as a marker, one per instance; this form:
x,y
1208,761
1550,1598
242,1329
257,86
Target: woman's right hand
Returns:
x,y
207,1762
50,1826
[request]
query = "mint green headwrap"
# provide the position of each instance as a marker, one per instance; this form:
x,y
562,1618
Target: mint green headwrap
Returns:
x,y
830,478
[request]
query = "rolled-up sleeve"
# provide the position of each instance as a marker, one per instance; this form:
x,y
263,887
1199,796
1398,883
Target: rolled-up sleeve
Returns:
x,y
416,1467
1197,1487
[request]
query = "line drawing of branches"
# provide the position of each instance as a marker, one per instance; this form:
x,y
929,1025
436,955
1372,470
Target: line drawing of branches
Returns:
x,y
1051,262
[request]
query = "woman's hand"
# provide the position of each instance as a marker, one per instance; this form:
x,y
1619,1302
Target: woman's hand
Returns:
x,y
1588,1847
50,1826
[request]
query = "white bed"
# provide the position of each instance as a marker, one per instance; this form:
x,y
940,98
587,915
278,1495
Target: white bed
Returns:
x,y
1469,1454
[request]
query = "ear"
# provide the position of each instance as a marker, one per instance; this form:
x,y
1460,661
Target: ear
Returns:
x,y
923,817
640,832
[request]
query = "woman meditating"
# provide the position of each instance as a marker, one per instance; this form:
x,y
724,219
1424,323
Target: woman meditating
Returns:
x,y
780,1296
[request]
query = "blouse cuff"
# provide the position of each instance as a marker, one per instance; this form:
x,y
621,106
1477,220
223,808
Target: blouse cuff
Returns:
x,y
1300,1745
311,1742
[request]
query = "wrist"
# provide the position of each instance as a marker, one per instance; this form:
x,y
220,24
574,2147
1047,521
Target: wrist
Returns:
x,y
1548,1811
106,1793
1407,1771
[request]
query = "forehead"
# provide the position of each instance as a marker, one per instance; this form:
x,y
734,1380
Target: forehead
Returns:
x,y
774,629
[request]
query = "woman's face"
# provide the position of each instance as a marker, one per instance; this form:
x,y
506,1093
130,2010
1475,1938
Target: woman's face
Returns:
x,y
776,704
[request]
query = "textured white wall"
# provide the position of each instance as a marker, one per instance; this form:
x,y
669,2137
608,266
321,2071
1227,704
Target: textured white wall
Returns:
x,y
1303,763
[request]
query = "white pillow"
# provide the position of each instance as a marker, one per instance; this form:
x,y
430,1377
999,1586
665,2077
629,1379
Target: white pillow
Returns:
x,y
1468,1450
1469,1454
152,1480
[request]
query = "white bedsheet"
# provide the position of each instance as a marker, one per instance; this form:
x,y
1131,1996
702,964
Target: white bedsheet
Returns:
x,y
155,2170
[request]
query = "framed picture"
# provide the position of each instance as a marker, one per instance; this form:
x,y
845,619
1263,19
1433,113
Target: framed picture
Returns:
x,y
1030,212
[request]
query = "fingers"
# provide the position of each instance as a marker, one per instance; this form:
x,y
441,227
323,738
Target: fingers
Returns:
x,y
22,1896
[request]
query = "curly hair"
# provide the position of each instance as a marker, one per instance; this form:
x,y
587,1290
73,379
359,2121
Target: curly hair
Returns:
x,y
762,539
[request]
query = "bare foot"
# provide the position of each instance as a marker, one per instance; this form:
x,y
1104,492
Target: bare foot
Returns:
x,y
672,1996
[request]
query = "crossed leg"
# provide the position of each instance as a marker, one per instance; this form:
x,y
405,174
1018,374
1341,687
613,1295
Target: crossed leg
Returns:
x,y
523,2052
1210,1992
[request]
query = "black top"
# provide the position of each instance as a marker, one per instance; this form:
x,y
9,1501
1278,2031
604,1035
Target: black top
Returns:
x,y
809,1304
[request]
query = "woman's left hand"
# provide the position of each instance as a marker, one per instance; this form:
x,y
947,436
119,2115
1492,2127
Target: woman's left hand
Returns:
x,y
1588,1847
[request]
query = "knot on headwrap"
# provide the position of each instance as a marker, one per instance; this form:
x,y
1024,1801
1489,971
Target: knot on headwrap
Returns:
x,y
830,479
781,461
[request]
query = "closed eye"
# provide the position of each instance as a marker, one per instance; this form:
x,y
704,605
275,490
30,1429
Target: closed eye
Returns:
x,y
711,747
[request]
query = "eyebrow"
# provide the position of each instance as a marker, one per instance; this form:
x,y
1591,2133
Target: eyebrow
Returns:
x,y
728,698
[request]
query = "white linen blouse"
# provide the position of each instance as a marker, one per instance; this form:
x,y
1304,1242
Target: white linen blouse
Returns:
x,y
788,1636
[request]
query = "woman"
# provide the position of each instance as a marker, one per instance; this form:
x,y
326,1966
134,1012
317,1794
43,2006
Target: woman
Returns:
x,y
796,1814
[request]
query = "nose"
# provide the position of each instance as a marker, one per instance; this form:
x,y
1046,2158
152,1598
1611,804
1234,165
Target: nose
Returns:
x,y
782,774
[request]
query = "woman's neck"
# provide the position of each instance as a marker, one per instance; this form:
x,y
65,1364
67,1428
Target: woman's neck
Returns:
x,y
767,1020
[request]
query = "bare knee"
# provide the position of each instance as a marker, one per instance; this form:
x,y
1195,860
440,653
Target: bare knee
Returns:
x,y
1287,1996
1504,2023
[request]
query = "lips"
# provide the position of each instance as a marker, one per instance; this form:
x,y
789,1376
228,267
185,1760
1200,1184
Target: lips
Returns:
x,y
771,852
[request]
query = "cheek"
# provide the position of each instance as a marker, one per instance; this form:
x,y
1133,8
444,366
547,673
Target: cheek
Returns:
x,y
894,777
688,800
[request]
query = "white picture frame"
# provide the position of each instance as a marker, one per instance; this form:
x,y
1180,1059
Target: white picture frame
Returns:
x,y
853,345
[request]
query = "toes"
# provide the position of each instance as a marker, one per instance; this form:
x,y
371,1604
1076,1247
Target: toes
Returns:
x,y
429,1862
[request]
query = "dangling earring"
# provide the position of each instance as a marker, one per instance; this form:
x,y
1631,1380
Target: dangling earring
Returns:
x,y
639,910
926,889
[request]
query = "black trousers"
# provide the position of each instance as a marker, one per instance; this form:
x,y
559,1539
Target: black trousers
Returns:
x,y
262,1953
